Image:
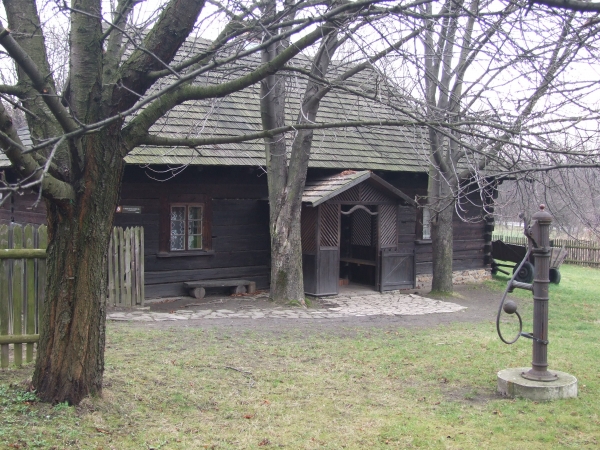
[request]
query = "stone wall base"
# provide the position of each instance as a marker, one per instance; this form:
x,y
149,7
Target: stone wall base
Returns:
x,y
458,277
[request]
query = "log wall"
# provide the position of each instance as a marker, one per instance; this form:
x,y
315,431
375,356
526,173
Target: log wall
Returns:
x,y
239,227
20,208
469,240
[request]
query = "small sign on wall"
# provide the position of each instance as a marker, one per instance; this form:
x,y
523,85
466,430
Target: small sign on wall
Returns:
x,y
129,209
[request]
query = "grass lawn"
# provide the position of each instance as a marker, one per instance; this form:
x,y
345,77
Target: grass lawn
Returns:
x,y
186,388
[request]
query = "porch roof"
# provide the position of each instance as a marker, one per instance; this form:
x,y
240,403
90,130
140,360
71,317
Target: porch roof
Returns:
x,y
320,190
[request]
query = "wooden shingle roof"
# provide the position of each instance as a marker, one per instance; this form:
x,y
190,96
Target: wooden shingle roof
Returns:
x,y
373,148
360,148
320,190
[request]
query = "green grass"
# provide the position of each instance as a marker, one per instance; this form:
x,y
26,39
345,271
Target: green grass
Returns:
x,y
185,388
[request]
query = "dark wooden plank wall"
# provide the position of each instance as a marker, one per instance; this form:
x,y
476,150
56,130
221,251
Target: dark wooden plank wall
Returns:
x,y
239,228
468,236
19,208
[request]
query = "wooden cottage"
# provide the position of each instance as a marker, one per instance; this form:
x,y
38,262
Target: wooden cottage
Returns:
x,y
205,215
358,227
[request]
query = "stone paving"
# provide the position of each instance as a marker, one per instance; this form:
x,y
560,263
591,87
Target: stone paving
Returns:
x,y
344,305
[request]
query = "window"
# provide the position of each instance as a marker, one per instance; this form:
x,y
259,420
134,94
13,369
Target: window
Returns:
x,y
184,224
426,223
186,227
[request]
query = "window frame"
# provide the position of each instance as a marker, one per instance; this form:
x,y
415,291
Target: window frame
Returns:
x,y
186,221
426,219
420,235
169,201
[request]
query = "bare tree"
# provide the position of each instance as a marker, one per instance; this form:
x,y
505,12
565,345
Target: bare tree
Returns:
x,y
571,195
81,137
495,92
287,174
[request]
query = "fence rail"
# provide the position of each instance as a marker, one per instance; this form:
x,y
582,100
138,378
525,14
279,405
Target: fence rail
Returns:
x,y
22,284
583,253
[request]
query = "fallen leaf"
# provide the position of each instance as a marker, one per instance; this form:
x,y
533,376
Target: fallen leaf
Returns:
x,y
265,441
248,416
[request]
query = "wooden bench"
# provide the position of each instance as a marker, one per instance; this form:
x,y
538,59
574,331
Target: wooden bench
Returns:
x,y
197,289
364,262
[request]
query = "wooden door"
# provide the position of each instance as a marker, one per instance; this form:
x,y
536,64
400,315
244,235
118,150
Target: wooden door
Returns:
x,y
396,270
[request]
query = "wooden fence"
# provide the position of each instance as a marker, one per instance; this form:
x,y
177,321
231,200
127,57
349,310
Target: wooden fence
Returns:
x,y
126,267
22,284
583,253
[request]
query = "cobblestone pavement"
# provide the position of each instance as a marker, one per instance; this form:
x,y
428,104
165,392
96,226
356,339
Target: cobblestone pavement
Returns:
x,y
345,305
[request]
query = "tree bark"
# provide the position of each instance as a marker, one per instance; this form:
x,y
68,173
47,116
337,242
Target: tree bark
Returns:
x,y
70,357
286,256
441,203
441,242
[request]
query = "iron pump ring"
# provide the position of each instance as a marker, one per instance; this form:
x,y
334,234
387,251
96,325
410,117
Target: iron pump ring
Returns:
x,y
506,291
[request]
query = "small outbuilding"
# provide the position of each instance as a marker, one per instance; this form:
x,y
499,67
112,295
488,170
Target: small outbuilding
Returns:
x,y
350,228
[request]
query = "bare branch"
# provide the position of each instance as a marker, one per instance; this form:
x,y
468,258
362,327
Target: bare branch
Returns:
x,y
573,5
198,142
26,165
17,91
38,79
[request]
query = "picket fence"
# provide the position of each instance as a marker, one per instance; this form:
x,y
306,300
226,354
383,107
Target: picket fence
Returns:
x,y
23,282
22,285
583,253
126,267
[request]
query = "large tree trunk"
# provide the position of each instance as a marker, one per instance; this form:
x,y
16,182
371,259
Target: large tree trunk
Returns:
x,y
286,256
70,358
284,205
441,242
441,204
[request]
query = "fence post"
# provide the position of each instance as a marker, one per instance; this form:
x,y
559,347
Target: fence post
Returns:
x,y
4,309
141,266
29,292
110,286
127,265
121,251
17,293
42,242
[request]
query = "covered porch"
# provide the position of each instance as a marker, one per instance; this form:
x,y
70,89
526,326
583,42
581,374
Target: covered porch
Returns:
x,y
350,234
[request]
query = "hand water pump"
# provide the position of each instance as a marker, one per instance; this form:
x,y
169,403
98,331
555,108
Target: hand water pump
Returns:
x,y
537,383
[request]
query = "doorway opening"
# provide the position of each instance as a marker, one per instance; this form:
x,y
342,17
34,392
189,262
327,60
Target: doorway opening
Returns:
x,y
358,245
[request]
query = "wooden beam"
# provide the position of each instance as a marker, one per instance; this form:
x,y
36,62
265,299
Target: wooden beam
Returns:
x,y
22,253
19,338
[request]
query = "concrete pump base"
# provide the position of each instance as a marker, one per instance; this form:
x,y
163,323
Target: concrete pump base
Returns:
x,y
512,384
